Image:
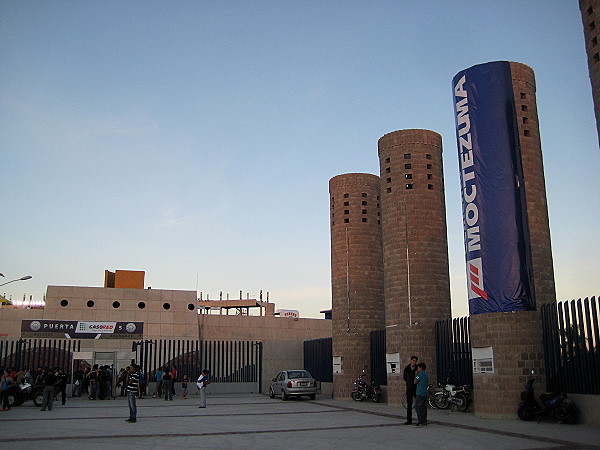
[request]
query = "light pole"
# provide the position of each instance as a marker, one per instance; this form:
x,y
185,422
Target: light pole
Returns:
x,y
26,277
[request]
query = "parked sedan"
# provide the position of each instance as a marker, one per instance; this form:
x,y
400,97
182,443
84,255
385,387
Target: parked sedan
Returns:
x,y
293,383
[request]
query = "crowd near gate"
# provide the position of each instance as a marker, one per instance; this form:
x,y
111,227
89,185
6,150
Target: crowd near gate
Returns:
x,y
228,361
33,353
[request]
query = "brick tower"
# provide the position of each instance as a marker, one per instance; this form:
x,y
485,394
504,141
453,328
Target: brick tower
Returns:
x,y
356,274
590,16
515,338
415,248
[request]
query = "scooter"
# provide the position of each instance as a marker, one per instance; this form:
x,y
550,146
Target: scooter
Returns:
x,y
362,390
554,405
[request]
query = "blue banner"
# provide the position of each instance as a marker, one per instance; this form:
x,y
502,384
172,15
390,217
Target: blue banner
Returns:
x,y
495,223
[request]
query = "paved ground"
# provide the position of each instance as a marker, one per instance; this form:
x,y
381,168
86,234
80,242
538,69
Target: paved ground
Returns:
x,y
256,421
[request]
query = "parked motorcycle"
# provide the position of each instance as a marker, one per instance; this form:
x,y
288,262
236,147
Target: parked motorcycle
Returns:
x,y
19,393
459,397
363,390
552,405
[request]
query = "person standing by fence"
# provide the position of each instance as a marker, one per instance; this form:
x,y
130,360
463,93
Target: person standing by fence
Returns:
x,y
167,382
201,384
133,387
421,381
411,388
6,383
49,383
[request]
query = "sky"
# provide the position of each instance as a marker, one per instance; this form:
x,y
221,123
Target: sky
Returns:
x,y
195,140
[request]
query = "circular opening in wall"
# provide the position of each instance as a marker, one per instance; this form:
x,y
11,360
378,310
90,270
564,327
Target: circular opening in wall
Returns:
x,y
166,306
64,303
191,307
116,304
90,303
141,305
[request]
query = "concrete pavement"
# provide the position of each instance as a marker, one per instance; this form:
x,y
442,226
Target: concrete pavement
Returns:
x,y
256,421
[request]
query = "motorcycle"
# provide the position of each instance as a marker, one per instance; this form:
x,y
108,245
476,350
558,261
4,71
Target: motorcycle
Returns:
x,y
458,397
19,393
552,405
363,390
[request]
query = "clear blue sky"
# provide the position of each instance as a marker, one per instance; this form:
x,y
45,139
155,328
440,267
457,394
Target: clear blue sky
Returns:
x,y
195,139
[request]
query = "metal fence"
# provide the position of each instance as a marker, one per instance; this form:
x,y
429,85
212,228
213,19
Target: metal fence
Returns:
x,y
318,359
378,353
453,351
571,346
33,353
228,361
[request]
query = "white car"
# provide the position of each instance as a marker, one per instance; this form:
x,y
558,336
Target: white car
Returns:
x,y
293,383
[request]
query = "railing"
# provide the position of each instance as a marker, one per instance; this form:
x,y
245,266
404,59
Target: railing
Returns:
x,y
318,359
572,346
453,351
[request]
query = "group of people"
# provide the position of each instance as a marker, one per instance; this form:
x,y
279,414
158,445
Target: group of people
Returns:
x,y
417,381
132,387
54,381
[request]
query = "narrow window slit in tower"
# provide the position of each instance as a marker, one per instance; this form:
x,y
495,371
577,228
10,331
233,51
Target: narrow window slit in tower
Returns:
x,y
364,219
429,176
596,58
346,220
523,107
595,41
525,120
388,180
364,194
429,166
388,190
364,211
590,10
526,132
346,195
388,170
430,187
592,25
346,203
523,96
363,203
346,211
408,166
409,186
427,156
408,176
407,156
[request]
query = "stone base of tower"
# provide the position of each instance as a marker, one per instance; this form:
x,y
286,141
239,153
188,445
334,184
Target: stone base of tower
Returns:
x,y
515,339
417,340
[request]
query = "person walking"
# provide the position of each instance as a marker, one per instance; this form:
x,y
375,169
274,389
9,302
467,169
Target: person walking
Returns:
x,y
133,387
184,386
49,384
411,388
421,381
61,382
6,383
167,381
201,384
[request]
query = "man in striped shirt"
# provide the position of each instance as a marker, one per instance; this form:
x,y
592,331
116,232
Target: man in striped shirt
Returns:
x,y
133,386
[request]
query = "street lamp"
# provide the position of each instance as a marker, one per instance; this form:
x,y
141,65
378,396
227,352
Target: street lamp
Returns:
x,y
26,277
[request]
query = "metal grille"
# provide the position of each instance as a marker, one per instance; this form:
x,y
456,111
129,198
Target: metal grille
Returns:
x,y
571,346
318,359
453,351
378,369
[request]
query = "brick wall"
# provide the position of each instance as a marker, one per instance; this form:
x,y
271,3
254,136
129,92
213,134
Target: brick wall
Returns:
x,y
417,284
356,273
590,16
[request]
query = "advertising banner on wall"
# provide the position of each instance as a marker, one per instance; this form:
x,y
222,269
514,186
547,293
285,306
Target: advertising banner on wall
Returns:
x,y
496,233
74,329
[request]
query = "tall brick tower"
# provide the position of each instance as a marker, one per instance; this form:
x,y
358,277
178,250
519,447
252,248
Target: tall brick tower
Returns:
x,y
415,248
356,274
590,15
510,339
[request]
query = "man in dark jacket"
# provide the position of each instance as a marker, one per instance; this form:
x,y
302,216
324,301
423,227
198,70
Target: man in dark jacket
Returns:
x,y
49,383
61,382
411,388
